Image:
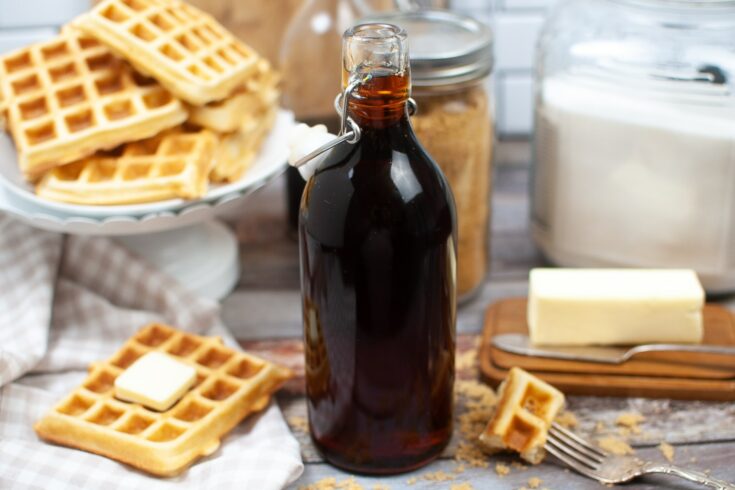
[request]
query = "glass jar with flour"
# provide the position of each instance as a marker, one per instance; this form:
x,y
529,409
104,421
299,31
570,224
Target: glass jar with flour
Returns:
x,y
634,142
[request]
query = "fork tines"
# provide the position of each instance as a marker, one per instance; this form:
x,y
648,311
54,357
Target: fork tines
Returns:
x,y
573,450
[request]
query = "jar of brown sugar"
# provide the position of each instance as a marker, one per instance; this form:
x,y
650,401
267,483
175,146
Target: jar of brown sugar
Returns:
x,y
451,60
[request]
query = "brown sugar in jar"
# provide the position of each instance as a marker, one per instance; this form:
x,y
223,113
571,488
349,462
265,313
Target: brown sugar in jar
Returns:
x,y
457,131
451,61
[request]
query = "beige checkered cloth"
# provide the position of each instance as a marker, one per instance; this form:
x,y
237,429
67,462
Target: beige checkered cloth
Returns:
x,y
65,302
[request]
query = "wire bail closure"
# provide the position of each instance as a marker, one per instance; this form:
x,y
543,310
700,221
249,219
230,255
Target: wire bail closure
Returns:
x,y
349,131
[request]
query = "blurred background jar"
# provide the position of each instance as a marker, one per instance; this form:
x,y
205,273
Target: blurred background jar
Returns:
x,y
451,60
635,136
309,58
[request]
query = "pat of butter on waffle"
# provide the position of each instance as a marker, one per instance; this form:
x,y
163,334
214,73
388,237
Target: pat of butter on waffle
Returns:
x,y
525,410
229,385
155,381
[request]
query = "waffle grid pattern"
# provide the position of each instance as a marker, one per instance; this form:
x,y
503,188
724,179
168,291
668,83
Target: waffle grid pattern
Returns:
x,y
188,51
229,386
170,165
524,413
69,97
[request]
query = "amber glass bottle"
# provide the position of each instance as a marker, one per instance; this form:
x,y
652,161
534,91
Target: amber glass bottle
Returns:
x,y
377,232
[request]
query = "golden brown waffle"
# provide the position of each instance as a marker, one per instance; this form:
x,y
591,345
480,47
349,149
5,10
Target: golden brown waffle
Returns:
x,y
183,48
525,410
230,385
256,95
173,164
238,150
69,97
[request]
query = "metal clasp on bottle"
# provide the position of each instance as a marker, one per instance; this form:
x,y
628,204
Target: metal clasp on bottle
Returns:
x,y
349,131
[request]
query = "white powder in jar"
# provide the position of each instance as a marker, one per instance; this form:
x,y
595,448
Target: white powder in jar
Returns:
x,y
625,180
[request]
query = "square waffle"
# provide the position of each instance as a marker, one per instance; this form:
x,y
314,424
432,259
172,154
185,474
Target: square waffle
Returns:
x,y
256,95
173,164
230,385
183,48
238,150
525,410
70,96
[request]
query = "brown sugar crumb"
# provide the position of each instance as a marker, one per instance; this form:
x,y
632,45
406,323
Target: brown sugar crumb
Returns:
x,y
438,476
502,470
411,481
628,423
600,427
459,468
466,361
519,466
478,394
615,446
462,486
478,405
298,423
534,482
667,450
629,419
471,454
567,419
331,483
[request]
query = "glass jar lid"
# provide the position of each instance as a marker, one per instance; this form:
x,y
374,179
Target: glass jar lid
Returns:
x,y
445,48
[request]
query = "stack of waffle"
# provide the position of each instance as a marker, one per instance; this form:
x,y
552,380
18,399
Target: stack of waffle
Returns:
x,y
136,101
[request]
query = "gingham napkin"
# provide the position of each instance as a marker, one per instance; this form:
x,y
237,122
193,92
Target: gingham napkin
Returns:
x,y
65,302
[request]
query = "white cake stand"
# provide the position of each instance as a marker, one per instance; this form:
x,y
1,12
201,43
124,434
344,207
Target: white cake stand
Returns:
x,y
182,238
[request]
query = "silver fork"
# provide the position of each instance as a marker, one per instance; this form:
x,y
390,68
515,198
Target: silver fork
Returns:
x,y
594,463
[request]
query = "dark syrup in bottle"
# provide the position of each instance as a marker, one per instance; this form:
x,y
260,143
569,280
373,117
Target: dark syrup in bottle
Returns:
x,y
377,234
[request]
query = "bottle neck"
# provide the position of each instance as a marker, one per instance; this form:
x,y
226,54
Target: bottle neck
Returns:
x,y
380,101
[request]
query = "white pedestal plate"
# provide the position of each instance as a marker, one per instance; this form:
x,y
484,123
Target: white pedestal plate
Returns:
x,y
182,238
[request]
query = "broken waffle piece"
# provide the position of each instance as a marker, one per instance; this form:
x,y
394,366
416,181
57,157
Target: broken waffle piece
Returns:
x,y
229,386
69,97
183,48
525,410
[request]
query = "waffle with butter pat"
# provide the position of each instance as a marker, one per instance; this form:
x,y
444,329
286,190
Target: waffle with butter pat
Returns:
x,y
183,48
69,97
174,164
525,410
238,150
230,385
256,95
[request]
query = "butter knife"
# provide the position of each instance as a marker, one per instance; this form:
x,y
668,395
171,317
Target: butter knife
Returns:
x,y
520,344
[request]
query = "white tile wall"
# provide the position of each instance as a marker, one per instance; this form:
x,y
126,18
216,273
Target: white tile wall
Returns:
x,y
516,24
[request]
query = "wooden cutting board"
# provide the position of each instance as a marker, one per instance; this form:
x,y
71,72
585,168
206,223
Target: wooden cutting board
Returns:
x,y
654,375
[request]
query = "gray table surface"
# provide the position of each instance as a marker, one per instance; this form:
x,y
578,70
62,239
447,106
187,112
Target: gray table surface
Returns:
x,y
266,306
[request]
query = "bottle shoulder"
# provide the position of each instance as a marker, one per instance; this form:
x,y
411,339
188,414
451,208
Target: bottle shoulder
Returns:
x,y
356,193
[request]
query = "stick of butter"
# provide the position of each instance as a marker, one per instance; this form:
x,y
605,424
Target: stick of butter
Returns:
x,y
155,380
614,306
